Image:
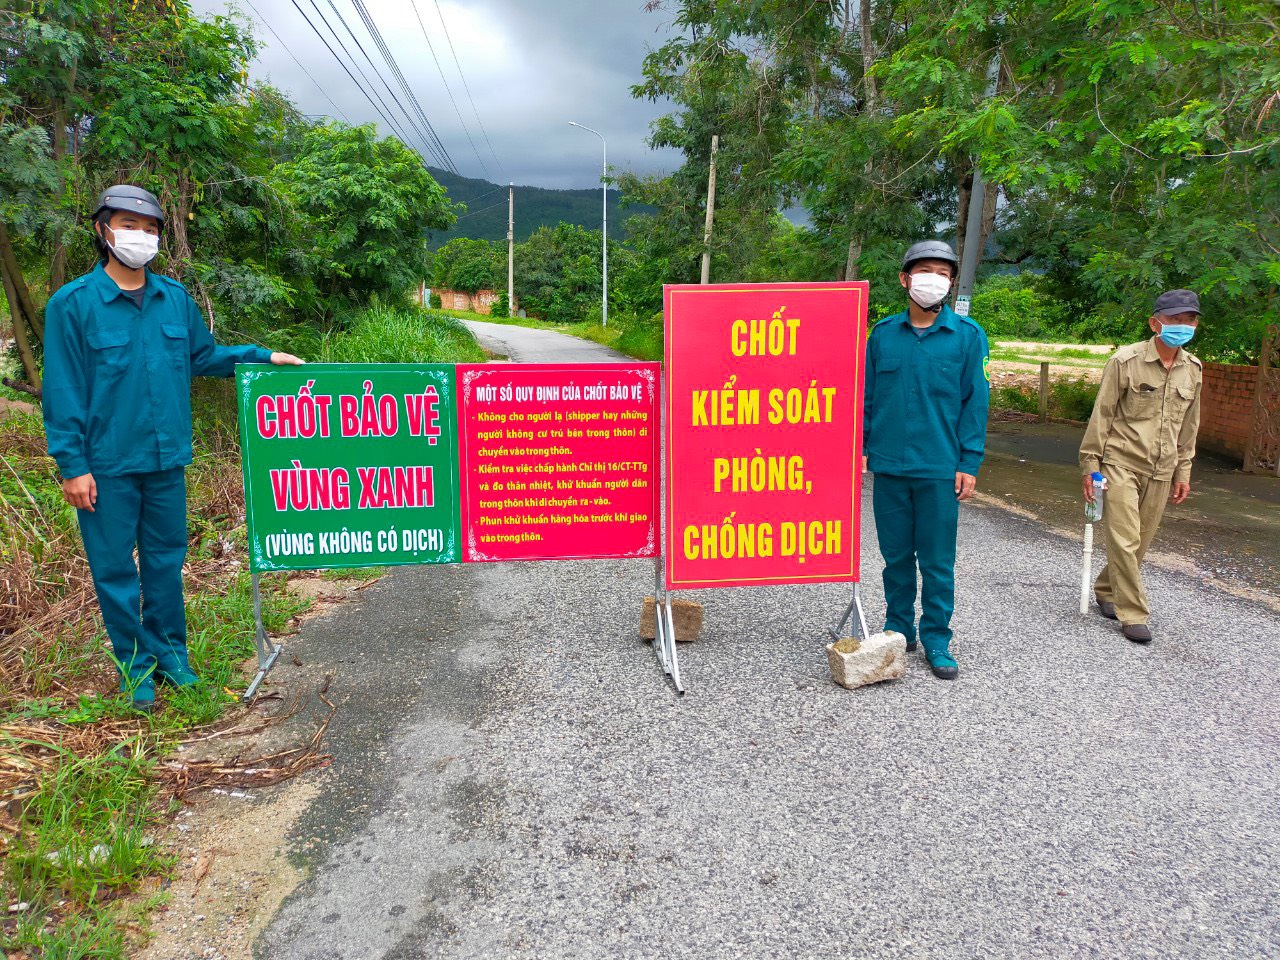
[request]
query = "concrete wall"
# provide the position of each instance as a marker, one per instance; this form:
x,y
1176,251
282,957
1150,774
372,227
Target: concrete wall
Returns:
x,y
1226,408
480,302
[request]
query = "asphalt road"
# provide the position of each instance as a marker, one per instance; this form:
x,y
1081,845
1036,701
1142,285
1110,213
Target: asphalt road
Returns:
x,y
514,777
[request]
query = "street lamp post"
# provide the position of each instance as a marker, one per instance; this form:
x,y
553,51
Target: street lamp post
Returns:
x,y
604,222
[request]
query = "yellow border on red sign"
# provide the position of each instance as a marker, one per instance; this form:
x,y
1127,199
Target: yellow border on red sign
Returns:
x,y
672,583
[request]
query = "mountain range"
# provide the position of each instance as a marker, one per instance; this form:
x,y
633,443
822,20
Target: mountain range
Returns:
x,y
486,214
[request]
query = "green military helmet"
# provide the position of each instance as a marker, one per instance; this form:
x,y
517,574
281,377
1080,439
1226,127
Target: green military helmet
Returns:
x,y
929,250
131,199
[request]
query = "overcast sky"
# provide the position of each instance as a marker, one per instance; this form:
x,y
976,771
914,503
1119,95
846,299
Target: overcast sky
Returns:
x,y
531,65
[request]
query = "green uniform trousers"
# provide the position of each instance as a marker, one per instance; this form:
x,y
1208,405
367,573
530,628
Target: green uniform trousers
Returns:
x,y
141,603
916,522
1132,509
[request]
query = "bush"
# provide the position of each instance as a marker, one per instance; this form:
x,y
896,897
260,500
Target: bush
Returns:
x,y
501,308
401,335
1012,307
1072,399
1014,398
435,301
642,338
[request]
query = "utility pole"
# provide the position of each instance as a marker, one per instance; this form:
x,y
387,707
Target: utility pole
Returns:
x,y
511,249
973,223
711,211
604,222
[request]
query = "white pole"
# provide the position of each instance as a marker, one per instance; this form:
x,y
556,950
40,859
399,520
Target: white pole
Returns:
x,y
1086,571
604,221
511,249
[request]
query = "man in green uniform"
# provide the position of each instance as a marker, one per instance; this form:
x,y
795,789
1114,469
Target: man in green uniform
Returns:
x,y
925,431
1142,438
121,346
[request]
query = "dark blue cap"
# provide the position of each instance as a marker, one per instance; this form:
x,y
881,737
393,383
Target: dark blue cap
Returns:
x,y
1173,302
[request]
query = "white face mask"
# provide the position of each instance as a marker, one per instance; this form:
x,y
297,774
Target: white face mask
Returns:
x,y
928,289
135,248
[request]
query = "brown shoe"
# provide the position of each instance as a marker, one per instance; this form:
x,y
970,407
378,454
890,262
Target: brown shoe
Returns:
x,y
1137,632
1106,608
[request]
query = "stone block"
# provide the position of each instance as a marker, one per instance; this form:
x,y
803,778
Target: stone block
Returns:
x,y
882,656
686,615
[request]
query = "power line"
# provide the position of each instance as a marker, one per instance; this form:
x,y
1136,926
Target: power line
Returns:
x,y
376,35
285,46
500,203
389,122
431,47
467,88
432,147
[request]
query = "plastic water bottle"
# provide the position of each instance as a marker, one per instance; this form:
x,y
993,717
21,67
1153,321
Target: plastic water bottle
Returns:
x,y
1093,511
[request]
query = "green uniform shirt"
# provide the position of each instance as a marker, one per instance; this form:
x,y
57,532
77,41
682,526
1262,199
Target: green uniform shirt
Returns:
x,y
926,399
117,377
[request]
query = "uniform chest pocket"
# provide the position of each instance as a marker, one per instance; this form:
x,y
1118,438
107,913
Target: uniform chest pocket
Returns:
x,y
888,365
175,338
110,348
942,376
1185,394
1141,401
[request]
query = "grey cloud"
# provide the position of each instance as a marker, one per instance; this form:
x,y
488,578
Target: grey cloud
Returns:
x,y
531,67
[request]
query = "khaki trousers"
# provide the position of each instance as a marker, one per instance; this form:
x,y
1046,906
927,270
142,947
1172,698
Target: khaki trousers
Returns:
x,y
1132,511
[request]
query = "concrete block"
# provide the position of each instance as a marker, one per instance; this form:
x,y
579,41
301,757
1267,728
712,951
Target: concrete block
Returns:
x,y
686,615
882,656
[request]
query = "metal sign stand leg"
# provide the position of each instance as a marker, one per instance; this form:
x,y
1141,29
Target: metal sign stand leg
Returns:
x,y
854,605
664,639
268,650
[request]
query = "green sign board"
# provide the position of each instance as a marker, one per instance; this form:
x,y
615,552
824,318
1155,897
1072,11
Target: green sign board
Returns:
x,y
349,465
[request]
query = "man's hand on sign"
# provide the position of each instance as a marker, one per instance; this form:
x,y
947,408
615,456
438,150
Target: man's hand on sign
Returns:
x,y
81,492
1180,492
965,482
286,360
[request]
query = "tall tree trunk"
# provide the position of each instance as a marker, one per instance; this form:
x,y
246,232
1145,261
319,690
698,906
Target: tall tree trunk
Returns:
x,y
20,337
990,197
964,189
58,262
20,292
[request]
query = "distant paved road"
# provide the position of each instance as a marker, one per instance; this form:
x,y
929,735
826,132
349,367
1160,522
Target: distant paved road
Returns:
x,y
527,345
514,778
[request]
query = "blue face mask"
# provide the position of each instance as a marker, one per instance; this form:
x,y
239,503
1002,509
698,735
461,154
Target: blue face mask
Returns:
x,y
1177,334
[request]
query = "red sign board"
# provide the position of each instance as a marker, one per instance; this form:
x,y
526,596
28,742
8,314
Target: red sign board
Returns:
x,y
558,461
764,432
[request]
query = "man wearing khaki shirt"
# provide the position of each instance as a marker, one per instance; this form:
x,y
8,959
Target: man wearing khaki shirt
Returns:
x,y
1142,438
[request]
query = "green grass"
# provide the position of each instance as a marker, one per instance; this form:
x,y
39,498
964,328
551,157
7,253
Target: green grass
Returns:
x,y
86,831
401,335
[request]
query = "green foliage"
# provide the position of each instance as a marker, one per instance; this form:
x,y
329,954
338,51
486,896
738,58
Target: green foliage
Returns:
x,y
402,335
1014,398
90,821
559,275
500,307
642,337
435,301
1072,399
1129,148
368,201
468,265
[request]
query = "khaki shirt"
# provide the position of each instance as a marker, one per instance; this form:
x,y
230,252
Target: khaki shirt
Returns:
x,y
1145,418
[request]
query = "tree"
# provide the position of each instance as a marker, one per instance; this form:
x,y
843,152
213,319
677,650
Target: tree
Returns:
x,y
368,202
